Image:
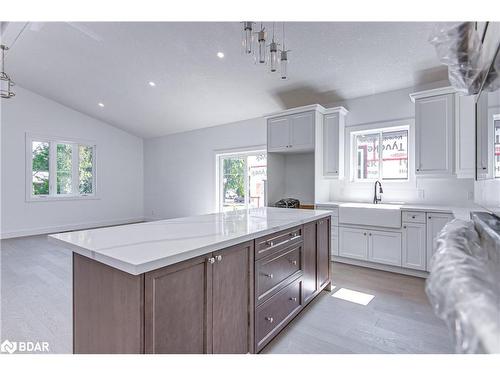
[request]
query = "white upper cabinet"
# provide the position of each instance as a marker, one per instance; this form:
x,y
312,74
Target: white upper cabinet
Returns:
x,y
278,132
333,142
302,131
434,125
465,122
293,132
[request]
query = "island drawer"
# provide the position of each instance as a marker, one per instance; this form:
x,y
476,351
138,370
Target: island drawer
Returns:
x,y
414,216
275,313
275,271
274,242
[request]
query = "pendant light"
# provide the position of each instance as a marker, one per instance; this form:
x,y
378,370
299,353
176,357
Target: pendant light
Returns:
x,y
6,82
273,54
247,37
261,46
284,58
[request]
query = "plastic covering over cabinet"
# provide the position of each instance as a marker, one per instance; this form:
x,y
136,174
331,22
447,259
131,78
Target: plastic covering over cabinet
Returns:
x,y
464,284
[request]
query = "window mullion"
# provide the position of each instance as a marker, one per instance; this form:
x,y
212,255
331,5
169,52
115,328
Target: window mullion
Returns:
x,y
52,168
75,174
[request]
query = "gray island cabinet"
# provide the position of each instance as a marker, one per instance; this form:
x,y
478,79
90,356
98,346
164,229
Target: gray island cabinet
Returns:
x,y
220,283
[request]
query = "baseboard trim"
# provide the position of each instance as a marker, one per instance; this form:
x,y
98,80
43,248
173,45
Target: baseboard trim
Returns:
x,y
381,267
68,227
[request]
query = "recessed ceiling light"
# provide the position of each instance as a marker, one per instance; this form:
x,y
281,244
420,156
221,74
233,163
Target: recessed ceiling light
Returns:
x,y
220,55
100,104
151,83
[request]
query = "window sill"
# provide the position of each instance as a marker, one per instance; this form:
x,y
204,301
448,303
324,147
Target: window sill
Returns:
x,y
48,198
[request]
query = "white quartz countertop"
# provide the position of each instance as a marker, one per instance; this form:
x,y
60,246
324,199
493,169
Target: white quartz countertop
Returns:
x,y
143,247
457,211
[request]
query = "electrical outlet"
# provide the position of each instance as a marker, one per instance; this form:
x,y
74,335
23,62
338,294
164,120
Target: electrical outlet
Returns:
x,y
470,195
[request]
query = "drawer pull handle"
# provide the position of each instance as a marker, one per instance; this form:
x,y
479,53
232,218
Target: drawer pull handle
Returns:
x,y
270,275
293,235
293,299
270,243
364,234
270,319
294,262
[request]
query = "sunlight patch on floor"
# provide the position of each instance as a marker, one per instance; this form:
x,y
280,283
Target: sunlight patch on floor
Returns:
x,y
353,296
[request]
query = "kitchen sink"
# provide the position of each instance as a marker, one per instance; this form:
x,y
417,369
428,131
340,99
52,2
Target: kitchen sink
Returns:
x,y
378,215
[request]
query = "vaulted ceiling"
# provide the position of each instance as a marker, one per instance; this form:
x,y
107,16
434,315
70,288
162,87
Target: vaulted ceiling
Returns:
x,y
82,64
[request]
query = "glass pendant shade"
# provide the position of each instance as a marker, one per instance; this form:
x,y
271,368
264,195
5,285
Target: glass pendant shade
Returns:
x,y
284,64
261,55
247,37
273,56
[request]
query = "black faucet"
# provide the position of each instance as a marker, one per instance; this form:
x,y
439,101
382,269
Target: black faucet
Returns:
x,y
377,198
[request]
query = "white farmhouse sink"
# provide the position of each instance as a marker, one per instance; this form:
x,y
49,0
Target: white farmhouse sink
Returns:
x,y
378,215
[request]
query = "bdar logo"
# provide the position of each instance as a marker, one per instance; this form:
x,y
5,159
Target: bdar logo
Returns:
x,y
8,347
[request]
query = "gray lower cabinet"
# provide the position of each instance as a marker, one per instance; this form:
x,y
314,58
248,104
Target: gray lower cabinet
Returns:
x,y
202,305
435,222
414,254
178,308
323,252
309,279
234,300
384,247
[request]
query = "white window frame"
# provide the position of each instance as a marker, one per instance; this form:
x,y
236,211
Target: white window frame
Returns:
x,y
75,154
350,162
219,155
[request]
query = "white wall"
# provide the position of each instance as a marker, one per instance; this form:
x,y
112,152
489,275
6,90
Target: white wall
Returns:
x,y
119,169
179,169
391,106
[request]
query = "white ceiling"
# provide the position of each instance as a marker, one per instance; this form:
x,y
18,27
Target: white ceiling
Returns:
x,y
82,64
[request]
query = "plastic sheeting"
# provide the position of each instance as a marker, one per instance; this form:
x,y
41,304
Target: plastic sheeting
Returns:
x,y
464,288
458,46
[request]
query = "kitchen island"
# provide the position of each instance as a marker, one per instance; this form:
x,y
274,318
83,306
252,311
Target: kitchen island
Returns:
x,y
218,283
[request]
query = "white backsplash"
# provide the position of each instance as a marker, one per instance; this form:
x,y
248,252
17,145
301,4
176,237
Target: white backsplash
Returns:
x,y
487,194
450,191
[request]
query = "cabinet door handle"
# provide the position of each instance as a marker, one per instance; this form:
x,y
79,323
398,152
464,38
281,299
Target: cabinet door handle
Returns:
x,y
369,234
364,234
413,216
293,299
294,234
270,319
404,226
211,260
218,258
429,217
270,275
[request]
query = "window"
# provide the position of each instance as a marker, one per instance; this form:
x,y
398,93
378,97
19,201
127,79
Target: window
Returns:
x,y
241,180
497,149
380,154
59,168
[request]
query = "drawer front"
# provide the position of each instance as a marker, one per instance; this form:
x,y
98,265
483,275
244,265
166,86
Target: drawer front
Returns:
x,y
414,217
267,245
273,272
275,313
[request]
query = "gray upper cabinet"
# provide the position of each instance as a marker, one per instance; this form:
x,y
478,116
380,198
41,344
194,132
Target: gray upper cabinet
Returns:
x,y
291,133
333,142
434,132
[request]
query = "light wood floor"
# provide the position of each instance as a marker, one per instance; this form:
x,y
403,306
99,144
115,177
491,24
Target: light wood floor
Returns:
x,y
36,306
